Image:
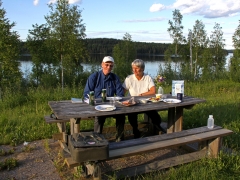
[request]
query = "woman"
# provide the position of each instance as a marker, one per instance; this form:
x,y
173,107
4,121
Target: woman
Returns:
x,y
140,84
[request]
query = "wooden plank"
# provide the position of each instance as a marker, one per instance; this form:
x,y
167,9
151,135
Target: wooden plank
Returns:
x,y
171,117
50,120
179,119
161,164
151,139
61,126
58,136
213,147
137,149
71,163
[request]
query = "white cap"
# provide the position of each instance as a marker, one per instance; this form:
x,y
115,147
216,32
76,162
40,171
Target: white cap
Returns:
x,y
108,59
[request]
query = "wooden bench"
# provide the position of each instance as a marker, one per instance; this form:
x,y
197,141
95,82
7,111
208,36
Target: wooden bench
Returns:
x,y
208,145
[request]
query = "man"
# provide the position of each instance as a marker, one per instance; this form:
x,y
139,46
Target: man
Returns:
x,y
105,79
141,84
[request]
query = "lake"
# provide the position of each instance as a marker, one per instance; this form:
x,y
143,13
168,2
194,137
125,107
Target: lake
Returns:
x,y
152,64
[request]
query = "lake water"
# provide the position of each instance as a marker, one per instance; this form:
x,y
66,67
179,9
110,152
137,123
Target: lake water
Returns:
x,y
151,65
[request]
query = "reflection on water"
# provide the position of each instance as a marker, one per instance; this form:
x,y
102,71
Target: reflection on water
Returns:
x,y
152,64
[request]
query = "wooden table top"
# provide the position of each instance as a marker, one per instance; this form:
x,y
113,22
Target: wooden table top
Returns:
x,y
67,109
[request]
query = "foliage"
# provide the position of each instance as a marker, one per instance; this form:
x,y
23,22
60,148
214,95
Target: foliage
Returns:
x,y
9,163
176,30
235,60
124,53
160,80
10,75
57,47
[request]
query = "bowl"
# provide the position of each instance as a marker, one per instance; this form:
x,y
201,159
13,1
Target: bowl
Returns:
x,y
144,101
158,96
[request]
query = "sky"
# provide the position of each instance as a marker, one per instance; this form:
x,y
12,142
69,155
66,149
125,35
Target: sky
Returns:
x,y
144,20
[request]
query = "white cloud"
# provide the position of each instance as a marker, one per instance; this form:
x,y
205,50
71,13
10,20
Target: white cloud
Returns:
x,y
157,7
35,2
208,8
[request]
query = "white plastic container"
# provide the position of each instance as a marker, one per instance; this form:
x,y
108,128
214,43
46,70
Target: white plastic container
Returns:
x,y
210,122
160,90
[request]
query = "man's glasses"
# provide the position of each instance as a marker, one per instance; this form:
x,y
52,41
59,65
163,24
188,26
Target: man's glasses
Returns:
x,y
110,65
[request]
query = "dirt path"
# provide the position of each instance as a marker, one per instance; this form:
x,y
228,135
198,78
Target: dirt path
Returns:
x,y
34,164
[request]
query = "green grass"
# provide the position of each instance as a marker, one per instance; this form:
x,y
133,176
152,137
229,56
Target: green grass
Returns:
x,y
21,119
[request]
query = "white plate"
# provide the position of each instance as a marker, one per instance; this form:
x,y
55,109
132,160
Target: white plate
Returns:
x,y
114,98
171,100
105,108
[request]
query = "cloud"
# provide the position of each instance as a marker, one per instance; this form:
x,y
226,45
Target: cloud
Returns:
x,y
145,20
35,2
208,8
70,1
157,7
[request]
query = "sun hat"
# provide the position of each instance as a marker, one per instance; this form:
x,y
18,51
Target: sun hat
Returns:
x,y
108,59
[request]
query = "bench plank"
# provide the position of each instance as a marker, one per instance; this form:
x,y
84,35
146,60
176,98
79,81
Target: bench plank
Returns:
x,y
160,164
167,143
151,139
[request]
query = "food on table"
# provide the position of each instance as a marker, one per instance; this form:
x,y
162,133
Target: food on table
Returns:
x,y
129,102
154,99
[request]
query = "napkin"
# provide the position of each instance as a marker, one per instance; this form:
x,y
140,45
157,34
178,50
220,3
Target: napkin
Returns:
x,y
86,100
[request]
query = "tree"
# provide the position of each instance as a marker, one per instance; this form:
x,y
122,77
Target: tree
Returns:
x,y
218,53
64,36
175,30
124,53
41,52
235,60
199,43
10,75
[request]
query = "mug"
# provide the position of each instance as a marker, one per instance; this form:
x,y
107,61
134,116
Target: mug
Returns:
x,y
180,96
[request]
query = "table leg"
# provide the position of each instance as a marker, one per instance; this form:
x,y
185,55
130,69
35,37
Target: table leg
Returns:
x,y
74,125
171,117
179,119
175,119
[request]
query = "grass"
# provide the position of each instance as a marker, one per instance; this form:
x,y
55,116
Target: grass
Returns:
x,y
21,119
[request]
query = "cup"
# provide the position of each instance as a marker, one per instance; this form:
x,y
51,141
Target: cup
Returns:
x,y
180,96
112,102
158,96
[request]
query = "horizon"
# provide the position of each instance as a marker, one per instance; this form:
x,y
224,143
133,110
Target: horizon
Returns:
x,y
145,21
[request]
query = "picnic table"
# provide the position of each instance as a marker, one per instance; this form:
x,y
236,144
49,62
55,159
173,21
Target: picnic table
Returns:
x,y
66,110
209,140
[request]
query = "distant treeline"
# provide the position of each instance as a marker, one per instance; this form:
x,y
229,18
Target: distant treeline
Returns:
x,y
105,46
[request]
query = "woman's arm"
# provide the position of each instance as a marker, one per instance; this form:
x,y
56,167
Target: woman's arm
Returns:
x,y
152,91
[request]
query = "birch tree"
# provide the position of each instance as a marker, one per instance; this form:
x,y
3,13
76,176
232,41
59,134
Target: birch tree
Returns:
x,y
176,30
199,43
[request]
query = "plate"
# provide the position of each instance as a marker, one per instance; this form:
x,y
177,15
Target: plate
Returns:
x,y
154,99
105,108
171,100
114,98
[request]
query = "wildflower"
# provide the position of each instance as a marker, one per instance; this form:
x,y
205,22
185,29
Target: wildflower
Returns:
x,y
160,80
